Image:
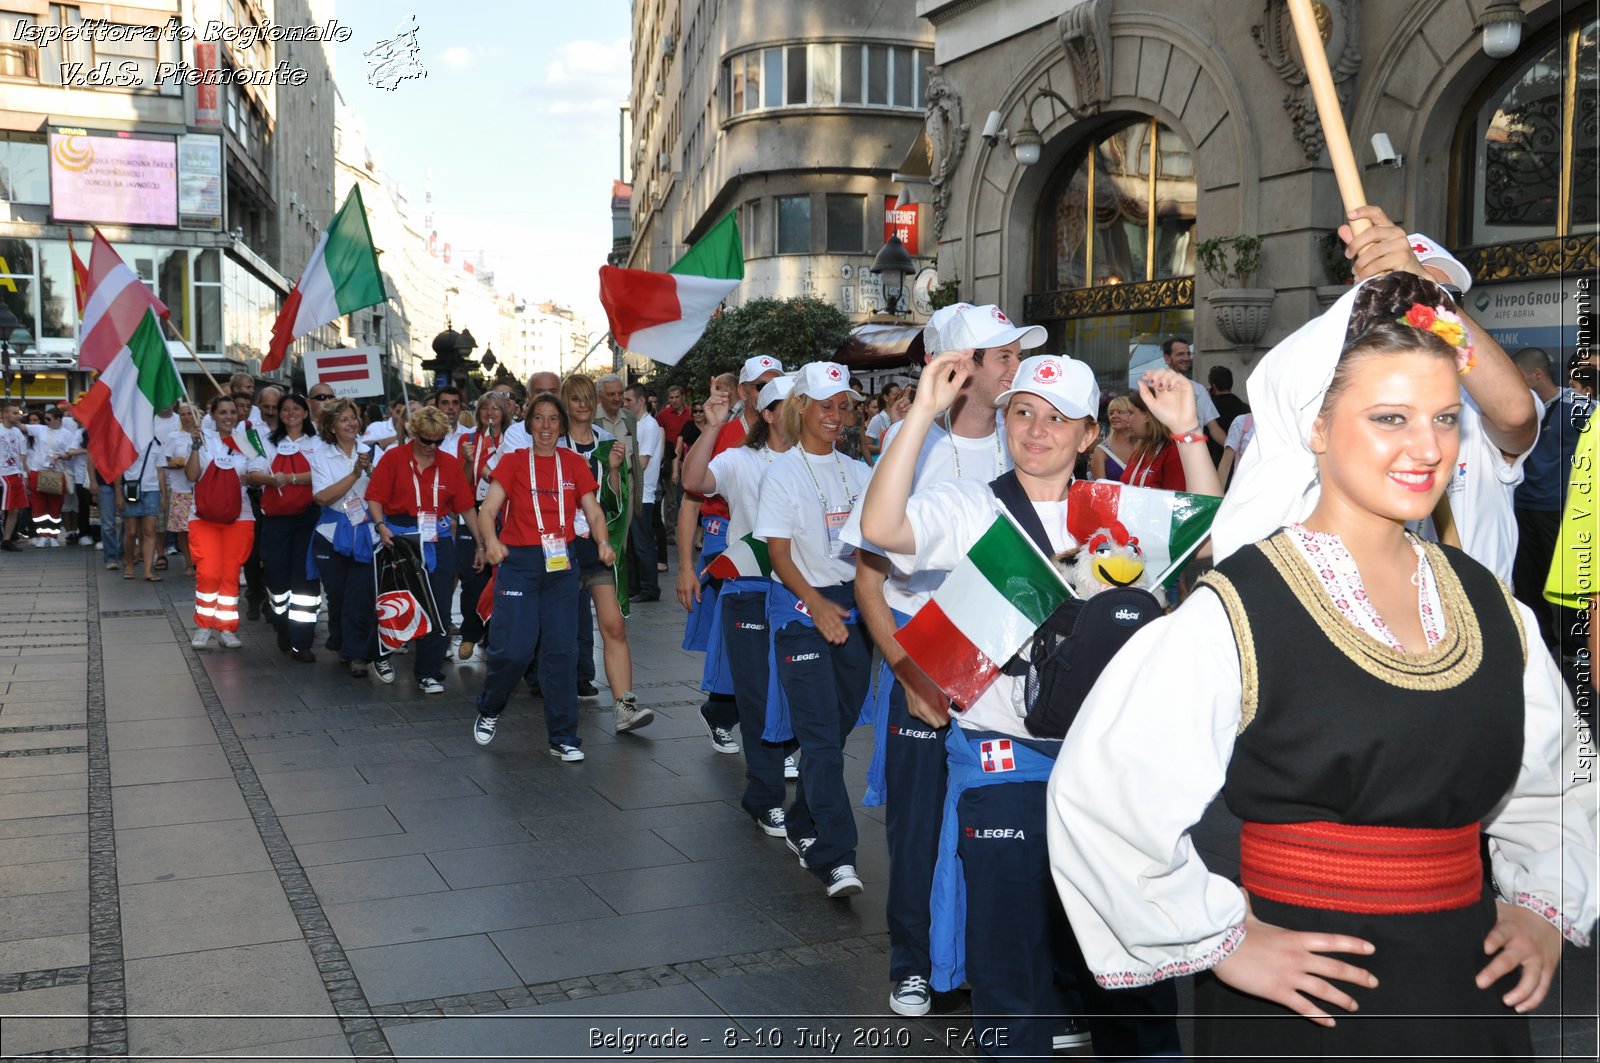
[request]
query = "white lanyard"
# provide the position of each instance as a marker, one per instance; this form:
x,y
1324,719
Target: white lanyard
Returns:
x,y
416,485
561,497
1149,464
949,428
481,454
805,459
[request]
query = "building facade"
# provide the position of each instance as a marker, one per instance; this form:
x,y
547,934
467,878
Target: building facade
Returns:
x,y
794,115
1124,134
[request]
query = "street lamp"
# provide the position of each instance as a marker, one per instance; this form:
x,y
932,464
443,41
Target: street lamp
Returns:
x,y
894,261
1501,23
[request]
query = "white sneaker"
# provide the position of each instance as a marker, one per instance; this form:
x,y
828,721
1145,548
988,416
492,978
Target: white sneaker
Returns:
x,y
771,823
798,848
84,540
430,686
630,717
55,544
39,542
202,638
229,639
843,881
911,997
99,546
791,766
172,551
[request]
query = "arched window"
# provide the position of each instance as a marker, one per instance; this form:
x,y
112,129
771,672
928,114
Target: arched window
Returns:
x,y
1530,147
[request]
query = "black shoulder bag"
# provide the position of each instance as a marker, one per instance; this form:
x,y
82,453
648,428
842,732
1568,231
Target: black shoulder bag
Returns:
x,y
133,490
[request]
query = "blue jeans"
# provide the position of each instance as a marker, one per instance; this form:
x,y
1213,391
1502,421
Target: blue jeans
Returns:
x,y
534,609
110,524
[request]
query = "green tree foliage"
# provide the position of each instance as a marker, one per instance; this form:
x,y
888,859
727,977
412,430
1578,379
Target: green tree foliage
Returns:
x,y
795,331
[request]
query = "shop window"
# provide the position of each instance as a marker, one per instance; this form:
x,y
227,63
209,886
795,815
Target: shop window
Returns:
x,y
794,225
1530,146
17,289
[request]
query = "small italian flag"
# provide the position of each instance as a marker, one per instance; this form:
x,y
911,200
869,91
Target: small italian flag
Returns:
x,y
985,611
662,315
119,411
744,559
1170,525
342,277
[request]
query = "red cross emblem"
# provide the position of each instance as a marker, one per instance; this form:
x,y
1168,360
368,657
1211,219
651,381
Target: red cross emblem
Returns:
x,y
833,373
1000,317
1420,248
1047,372
766,363
997,756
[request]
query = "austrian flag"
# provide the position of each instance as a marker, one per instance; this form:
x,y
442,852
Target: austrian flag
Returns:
x,y
996,755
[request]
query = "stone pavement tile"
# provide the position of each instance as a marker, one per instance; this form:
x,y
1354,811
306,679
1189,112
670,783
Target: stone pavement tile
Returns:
x,y
45,915
41,715
337,826
811,916
503,806
464,835
45,803
162,803
16,741
333,1046
684,885
726,843
314,779
623,942
130,767
161,734
189,850
53,764
455,913
444,967
489,865
707,815
188,915
38,850
243,987
67,1024
297,801
287,743
53,876
114,652
42,688
649,793
562,1030
32,784
409,750
156,663
39,826
369,880
43,954
134,709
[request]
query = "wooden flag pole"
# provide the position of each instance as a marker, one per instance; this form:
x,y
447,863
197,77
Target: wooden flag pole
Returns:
x,y
1346,172
179,337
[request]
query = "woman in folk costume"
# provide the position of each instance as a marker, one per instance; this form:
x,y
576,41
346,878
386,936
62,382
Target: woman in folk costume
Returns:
x,y
1362,888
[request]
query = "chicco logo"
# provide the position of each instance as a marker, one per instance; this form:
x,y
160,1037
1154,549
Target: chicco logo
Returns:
x,y
997,832
797,658
1048,372
1128,615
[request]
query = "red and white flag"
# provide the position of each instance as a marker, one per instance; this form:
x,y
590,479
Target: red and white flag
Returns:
x,y
352,372
996,755
113,307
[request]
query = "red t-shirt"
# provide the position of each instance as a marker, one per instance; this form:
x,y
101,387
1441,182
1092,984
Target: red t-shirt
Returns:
x,y
519,527
392,485
1165,471
729,436
672,422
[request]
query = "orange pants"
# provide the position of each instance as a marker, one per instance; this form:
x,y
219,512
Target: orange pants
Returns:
x,y
220,551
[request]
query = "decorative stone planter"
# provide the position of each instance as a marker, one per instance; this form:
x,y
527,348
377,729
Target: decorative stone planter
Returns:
x,y
1241,313
1328,294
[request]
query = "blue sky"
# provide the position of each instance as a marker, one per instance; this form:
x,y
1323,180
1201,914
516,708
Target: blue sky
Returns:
x,y
517,119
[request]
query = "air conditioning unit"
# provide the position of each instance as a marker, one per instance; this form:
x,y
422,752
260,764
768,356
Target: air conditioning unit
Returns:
x,y
664,162
668,44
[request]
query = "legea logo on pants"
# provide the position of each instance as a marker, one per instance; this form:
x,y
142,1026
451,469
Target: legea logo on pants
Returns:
x,y
798,657
996,832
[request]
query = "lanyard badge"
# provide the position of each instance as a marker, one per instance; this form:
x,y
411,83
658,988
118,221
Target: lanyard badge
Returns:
x,y
553,543
427,519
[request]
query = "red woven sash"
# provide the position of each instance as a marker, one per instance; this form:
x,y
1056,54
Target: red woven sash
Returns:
x,y
1373,870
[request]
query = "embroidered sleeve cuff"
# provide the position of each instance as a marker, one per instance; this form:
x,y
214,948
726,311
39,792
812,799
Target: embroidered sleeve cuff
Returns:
x,y
1177,968
1551,914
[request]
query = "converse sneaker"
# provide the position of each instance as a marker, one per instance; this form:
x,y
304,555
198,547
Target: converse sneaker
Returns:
x,y
1075,1034
629,716
202,638
430,685
771,823
722,739
843,881
384,670
911,997
84,540
562,751
791,767
229,639
483,730
798,847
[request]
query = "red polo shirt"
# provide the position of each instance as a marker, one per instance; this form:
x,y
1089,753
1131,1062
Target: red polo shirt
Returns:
x,y
392,485
519,526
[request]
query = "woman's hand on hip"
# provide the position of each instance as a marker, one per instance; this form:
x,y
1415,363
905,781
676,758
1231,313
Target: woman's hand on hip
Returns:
x,y
1521,938
1290,968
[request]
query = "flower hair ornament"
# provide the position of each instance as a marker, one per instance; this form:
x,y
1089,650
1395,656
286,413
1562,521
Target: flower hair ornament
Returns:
x,y
1448,327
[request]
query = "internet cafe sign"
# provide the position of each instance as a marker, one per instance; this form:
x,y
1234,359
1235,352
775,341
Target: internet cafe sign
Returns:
x,y
901,222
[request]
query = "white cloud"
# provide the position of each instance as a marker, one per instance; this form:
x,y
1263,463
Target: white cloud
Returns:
x,y
457,58
586,78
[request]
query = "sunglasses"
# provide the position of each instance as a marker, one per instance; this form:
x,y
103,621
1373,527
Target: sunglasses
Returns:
x,y
425,441
320,398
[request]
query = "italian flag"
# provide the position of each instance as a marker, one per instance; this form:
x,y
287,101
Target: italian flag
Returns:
x,y
1170,525
342,277
745,559
119,411
985,611
662,315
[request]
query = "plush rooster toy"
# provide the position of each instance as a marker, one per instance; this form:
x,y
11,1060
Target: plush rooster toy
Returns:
x,y
1110,558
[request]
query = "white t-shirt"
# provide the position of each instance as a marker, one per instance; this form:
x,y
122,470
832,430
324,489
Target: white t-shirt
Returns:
x,y
515,438
947,519
739,472
13,446
146,468
652,441
1203,407
793,497
1240,432
44,446
329,465
878,425
452,440
177,446
944,458
213,450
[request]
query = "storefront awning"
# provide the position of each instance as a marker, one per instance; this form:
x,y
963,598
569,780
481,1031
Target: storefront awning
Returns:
x,y
881,346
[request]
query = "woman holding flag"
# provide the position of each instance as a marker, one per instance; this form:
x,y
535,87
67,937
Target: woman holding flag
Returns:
x,y
342,545
223,527
992,848
289,517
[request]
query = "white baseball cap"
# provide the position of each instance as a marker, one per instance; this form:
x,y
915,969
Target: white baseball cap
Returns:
x,y
1429,253
757,366
1066,383
775,390
962,326
823,380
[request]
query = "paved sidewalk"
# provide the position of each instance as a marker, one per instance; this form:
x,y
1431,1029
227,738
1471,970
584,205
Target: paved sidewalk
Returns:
x,y
227,853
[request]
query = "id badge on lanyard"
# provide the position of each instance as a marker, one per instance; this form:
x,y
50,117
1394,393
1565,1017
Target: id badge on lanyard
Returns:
x,y
836,520
355,509
427,519
553,543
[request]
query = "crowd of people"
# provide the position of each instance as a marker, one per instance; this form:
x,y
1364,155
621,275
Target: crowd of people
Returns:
x,y
1416,842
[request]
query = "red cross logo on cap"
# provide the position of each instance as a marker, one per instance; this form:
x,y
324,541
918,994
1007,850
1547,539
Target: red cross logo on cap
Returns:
x,y
1420,248
1000,317
766,363
833,373
1048,372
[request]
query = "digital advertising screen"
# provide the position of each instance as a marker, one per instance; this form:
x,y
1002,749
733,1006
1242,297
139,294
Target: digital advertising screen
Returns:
x,y
113,177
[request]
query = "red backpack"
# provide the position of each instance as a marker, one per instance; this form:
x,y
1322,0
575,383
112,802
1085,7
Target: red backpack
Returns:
x,y
218,493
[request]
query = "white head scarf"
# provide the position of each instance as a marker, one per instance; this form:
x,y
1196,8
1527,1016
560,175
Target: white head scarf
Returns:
x,y
1276,482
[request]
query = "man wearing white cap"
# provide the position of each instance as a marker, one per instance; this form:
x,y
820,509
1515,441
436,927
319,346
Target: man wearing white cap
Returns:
x,y
908,769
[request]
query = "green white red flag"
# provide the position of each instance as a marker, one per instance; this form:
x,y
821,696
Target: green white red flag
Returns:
x,y
662,315
119,409
985,611
745,558
342,277
1170,525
